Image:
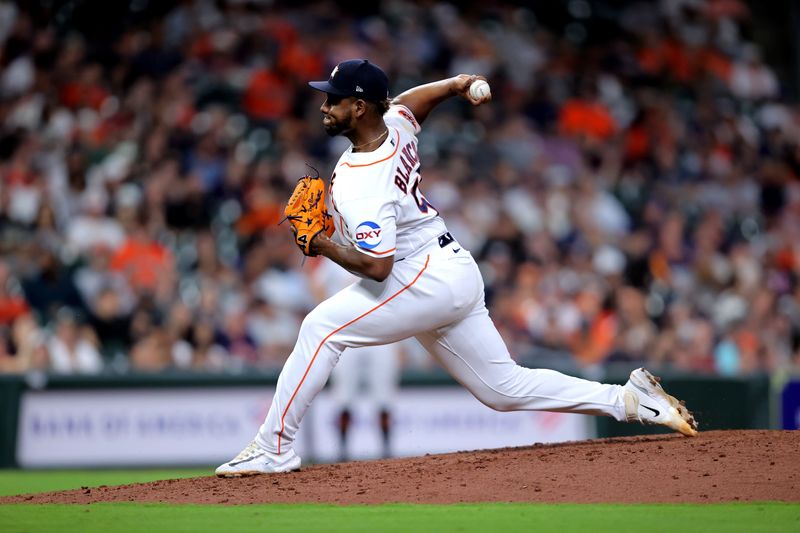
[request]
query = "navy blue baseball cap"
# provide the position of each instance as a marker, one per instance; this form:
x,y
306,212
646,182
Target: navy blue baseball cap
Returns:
x,y
356,77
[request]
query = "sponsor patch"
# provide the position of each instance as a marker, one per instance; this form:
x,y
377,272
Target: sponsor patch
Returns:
x,y
368,235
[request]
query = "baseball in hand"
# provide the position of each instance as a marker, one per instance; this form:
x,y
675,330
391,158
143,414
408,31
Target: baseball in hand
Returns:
x,y
479,90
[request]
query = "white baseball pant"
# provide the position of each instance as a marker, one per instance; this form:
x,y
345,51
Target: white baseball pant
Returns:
x,y
436,295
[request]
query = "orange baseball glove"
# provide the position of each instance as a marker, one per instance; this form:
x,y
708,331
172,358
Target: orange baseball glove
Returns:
x,y
307,213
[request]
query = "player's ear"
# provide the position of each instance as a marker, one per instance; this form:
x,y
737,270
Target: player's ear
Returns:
x,y
359,107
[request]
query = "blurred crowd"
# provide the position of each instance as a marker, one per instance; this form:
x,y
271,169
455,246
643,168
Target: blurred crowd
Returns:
x,y
631,193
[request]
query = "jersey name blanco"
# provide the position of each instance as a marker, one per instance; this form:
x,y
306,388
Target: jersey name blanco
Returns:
x,y
375,198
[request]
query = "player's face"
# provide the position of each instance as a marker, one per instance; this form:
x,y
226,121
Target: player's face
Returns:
x,y
337,114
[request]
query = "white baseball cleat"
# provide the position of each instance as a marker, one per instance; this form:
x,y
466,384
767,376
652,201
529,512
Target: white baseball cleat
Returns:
x,y
254,460
647,402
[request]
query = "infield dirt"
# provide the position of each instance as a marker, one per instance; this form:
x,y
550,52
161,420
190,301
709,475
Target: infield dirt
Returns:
x,y
716,466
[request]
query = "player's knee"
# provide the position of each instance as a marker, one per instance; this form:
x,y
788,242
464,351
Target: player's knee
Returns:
x,y
505,404
498,402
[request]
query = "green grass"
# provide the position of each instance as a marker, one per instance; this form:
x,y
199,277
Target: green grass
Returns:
x,y
122,518
27,481
483,518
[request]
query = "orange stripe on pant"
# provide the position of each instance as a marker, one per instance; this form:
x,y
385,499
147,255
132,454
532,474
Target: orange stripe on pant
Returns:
x,y
334,332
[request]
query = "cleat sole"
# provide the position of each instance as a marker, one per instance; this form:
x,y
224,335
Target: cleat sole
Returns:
x,y
681,419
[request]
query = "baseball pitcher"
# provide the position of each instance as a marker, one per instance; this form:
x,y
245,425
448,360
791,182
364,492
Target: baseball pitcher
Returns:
x,y
416,279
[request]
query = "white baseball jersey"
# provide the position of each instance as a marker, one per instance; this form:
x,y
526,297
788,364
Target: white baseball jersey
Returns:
x,y
375,198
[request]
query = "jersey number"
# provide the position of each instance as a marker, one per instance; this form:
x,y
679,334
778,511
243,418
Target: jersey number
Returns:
x,y
422,203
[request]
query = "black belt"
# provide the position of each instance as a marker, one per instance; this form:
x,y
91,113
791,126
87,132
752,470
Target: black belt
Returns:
x,y
445,239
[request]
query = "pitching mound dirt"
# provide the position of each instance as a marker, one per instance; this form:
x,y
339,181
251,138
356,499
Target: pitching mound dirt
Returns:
x,y
713,467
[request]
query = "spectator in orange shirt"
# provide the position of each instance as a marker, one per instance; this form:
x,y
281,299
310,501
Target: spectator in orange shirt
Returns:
x,y
268,96
586,116
12,306
86,89
144,261
262,210
595,342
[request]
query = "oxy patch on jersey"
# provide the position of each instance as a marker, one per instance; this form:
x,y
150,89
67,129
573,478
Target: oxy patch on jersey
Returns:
x,y
368,235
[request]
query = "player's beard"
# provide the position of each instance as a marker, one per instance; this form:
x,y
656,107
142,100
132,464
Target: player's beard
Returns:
x,y
336,127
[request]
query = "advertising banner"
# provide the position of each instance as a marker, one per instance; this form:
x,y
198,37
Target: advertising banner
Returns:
x,y
138,427
186,426
790,405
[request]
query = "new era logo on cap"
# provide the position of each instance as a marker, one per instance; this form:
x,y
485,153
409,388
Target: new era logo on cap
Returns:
x,y
356,77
